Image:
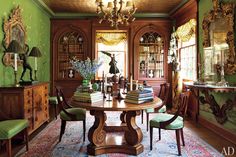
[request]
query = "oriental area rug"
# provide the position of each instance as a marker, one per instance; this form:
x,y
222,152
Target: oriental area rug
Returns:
x,y
46,144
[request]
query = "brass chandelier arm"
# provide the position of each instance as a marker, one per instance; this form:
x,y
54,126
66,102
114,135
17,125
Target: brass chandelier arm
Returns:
x,y
121,4
114,14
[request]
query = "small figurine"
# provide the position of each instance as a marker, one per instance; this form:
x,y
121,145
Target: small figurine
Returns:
x,y
113,68
26,65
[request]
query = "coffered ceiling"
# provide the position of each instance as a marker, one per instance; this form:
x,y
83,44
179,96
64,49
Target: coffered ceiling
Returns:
x,y
146,8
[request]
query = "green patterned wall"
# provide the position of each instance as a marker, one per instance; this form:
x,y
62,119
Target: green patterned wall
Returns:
x,y
204,7
37,24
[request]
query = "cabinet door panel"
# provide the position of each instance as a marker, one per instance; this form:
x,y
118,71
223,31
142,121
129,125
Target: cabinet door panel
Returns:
x,y
9,104
38,105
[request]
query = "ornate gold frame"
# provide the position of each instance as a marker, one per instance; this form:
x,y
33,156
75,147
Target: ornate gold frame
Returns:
x,y
14,29
226,11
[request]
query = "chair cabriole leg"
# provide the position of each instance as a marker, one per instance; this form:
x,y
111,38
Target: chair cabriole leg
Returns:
x,y
182,136
178,141
84,129
151,137
8,146
63,126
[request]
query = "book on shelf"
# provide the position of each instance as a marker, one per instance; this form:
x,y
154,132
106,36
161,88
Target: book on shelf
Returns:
x,y
88,97
138,92
137,101
86,100
138,98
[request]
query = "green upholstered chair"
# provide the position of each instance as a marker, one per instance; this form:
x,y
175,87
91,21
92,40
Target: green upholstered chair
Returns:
x,y
10,128
171,122
53,102
69,113
163,95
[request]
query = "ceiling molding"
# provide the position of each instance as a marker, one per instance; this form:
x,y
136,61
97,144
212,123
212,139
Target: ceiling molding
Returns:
x,y
151,15
44,7
178,6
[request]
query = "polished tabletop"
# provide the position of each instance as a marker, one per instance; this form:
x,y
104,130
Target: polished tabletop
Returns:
x,y
116,105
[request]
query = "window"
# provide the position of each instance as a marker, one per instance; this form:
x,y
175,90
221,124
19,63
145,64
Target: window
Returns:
x,y
113,43
187,50
188,59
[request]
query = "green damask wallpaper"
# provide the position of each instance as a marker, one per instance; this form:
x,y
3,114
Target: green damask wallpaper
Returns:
x,y
205,111
37,24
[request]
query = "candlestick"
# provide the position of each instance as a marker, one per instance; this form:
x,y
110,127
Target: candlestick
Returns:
x,y
131,83
136,84
15,61
35,63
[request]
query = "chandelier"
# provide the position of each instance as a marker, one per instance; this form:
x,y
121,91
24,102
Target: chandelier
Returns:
x,y
114,14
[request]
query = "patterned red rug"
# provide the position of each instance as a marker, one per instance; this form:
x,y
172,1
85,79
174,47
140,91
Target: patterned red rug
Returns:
x,y
46,143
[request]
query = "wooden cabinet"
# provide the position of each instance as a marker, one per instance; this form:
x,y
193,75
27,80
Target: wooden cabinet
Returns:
x,y
70,40
29,102
150,49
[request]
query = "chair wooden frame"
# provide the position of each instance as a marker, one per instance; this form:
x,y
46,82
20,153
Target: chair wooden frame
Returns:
x,y
163,95
182,109
8,141
63,105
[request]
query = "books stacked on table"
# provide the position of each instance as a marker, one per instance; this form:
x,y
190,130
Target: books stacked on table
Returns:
x,y
88,97
139,96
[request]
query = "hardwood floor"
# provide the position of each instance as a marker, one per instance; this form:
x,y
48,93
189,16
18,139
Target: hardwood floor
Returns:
x,y
208,136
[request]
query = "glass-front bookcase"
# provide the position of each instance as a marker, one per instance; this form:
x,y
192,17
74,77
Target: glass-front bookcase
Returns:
x,y
151,56
70,45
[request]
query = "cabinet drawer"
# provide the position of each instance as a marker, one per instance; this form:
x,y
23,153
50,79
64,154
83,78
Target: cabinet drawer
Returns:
x,y
30,127
28,112
28,98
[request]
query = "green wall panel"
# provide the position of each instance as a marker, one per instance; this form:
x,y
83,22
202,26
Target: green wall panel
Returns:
x,y
37,24
204,7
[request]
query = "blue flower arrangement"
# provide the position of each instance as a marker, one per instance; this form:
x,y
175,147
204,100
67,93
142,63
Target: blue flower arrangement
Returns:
x,y
86,68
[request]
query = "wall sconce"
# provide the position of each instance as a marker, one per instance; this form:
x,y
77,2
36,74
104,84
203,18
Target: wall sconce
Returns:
x,y
35,52
14,47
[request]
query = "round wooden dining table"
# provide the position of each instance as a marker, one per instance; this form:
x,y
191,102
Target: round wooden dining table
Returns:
x,y
100,141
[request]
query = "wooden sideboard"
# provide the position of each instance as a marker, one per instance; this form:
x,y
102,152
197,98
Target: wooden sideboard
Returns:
x,y
29,102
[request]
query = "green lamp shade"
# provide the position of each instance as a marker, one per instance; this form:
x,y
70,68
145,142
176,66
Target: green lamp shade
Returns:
x,y
14,47
35,52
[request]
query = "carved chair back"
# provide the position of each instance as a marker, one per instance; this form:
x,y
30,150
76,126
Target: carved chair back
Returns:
x,y
63,105
164,92
182,109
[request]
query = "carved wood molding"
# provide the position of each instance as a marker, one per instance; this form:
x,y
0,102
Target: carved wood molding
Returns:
x,y
96,134
15,18
218,111
224,11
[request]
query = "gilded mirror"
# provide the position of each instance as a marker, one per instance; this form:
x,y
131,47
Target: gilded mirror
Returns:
x,y
13,30
218,29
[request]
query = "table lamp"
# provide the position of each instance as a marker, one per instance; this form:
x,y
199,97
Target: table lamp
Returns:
x,y
35,52
14,47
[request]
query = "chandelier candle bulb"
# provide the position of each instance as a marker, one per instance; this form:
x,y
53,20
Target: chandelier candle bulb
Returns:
x,y
129,4
35,63
109,5
131,83
15,61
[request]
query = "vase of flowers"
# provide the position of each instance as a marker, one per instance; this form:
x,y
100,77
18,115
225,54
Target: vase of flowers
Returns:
x,y
87,69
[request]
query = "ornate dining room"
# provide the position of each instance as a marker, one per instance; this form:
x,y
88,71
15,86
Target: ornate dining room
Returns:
x,y
113,78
